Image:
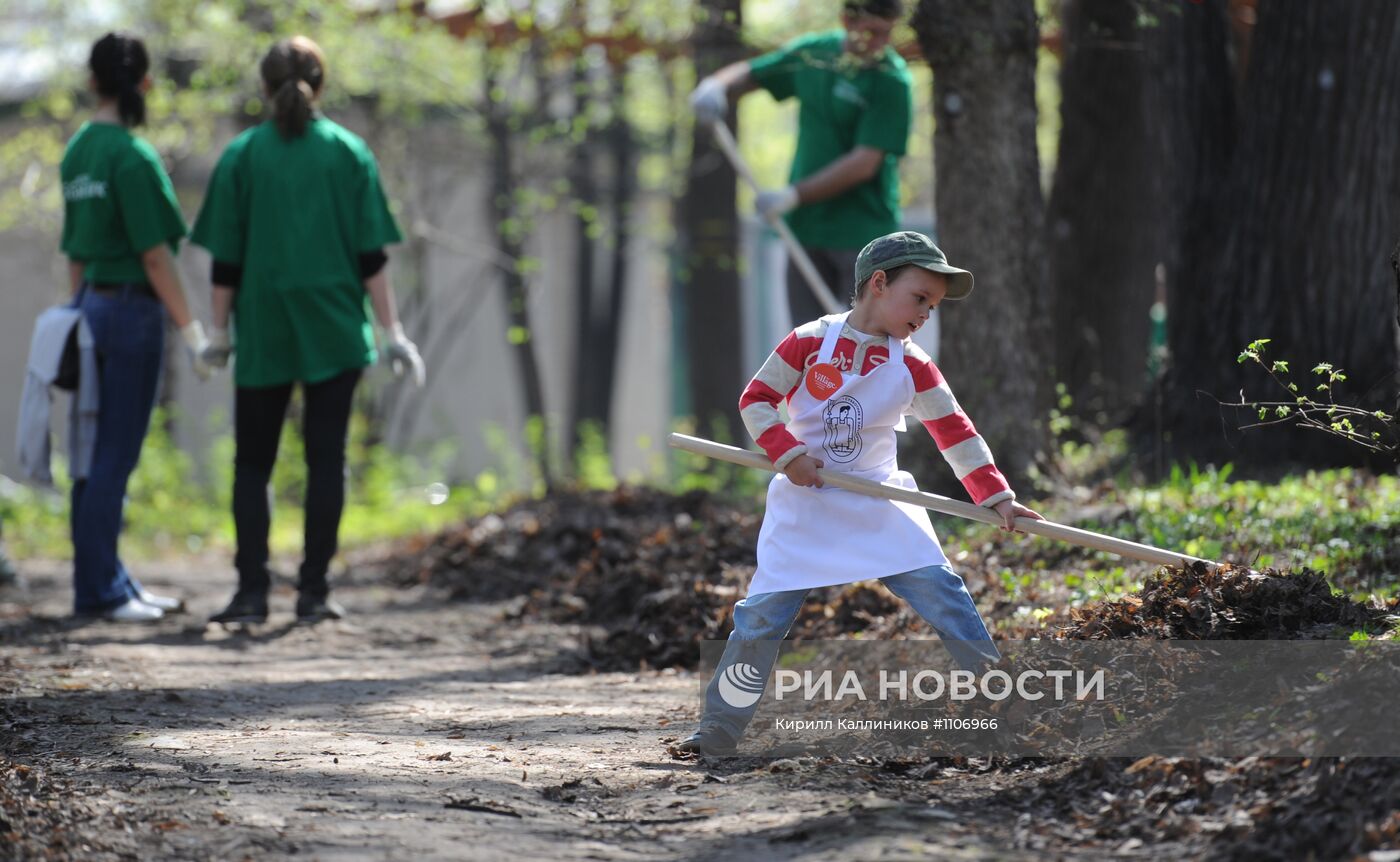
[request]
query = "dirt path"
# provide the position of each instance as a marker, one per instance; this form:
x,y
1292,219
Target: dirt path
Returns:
x,y
418,729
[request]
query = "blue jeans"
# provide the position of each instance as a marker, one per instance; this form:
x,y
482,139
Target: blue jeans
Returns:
x,y
129,331
761,621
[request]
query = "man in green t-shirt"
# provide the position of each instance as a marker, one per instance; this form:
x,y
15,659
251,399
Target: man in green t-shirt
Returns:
x,y
853,125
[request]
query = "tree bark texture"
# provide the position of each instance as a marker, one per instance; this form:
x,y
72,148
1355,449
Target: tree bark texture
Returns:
x,y
1101,237
584,190
1289,241
599,315
708,269
1395,267
622,147
996,347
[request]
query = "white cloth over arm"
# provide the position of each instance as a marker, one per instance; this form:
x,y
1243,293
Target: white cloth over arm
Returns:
x,y
52,331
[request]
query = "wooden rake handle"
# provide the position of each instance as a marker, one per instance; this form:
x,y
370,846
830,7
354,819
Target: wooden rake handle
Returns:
x,y
937,503
730,147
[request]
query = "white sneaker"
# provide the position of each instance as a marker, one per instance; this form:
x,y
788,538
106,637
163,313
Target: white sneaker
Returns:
x,y
134,611
168,604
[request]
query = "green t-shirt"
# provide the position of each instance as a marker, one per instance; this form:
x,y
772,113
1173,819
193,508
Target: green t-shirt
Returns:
x,y
296,216
843,105
117,203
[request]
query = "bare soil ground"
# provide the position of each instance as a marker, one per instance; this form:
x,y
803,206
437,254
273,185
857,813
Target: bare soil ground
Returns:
x,y
419,729
424,729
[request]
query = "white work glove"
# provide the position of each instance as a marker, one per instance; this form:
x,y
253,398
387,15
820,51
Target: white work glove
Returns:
x,y
196,343
776,202
709,101
402,355
217,353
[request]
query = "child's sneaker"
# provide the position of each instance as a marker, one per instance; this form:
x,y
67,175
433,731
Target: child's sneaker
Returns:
x,y
708,739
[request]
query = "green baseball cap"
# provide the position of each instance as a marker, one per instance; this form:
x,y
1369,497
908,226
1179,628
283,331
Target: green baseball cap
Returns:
x,y
908,246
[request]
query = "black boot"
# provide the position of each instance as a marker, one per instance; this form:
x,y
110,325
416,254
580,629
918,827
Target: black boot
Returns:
x,y
246,607
313,608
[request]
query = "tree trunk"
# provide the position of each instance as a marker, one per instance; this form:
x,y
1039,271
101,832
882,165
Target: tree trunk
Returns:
x,y
584,188
1290,246
600,312
1101,214
709,250
990,216
1190,106
1395,267
624,158
510,235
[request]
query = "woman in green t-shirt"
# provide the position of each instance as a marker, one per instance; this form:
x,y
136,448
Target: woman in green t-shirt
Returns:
x,y
120,224
296,222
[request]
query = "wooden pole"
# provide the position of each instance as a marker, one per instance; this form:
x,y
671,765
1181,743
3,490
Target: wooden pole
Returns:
x,y
937,503
725,139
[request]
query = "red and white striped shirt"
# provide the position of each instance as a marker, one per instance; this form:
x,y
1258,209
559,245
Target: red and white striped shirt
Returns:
x,y
934,405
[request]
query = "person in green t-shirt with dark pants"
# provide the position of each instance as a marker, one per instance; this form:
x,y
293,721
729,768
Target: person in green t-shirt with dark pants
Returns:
x,y
853,125
296,222
120,224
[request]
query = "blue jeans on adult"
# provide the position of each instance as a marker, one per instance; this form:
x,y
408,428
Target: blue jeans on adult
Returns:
x,y
761,621
128,327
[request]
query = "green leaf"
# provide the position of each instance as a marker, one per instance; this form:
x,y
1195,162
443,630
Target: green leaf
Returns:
x,y
1280,365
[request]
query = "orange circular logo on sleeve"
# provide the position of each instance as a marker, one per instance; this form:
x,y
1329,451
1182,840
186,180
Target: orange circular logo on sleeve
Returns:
x,y
823,379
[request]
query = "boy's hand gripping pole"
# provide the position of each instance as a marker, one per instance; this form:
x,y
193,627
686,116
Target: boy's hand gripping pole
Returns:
x,y
936,503
725,139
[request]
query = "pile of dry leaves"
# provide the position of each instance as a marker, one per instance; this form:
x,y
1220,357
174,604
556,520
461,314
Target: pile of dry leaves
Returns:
x,y
655,573
1256,809
1201,602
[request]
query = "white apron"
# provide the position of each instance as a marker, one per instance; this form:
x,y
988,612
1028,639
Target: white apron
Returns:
x,y
819,537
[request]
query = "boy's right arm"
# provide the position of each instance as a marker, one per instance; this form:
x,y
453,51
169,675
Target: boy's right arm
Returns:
x,y
758,405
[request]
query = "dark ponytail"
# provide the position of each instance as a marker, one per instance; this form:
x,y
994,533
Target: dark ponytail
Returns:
x,y
293,71
119,64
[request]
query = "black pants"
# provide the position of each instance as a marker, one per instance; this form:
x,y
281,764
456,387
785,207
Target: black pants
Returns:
x,y
837,267
258,416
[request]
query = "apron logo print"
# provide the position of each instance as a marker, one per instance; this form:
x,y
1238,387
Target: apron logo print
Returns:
x,y
843,419
823,380
741,685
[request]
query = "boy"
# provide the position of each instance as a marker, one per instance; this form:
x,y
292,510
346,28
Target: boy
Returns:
x,y
848,380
